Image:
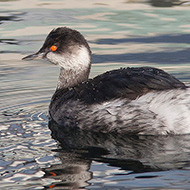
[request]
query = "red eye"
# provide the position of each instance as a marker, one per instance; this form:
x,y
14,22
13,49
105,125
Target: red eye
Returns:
x,y
53,48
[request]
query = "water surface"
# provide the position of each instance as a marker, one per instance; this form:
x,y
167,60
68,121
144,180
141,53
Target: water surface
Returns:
x,y
121,34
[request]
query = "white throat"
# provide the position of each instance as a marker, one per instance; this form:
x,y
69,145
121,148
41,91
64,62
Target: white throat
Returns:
x,y
78,58
75,65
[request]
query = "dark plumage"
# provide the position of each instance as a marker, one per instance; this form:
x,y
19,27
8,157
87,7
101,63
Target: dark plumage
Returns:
x,y
63,39
121,83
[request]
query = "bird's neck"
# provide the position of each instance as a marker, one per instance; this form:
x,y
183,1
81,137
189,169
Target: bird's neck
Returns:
x,y
75,66
69,77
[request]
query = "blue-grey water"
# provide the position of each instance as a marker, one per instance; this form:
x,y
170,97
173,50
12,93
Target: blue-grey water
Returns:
x,y
121,34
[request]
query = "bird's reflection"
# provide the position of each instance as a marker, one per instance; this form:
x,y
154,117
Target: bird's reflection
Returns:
x,y
73,173
135,154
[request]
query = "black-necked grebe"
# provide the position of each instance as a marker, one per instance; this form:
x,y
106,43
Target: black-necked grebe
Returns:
x,y
128,100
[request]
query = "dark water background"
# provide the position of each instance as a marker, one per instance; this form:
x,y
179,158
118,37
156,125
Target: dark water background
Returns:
x,y
121,34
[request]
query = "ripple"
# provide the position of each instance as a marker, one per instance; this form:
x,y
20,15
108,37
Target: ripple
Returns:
x,y
121,34
25,147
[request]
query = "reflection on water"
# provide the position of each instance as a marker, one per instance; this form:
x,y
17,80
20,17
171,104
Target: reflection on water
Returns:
x,y
166,3
73,173
133,155
9,16
121,33
139,148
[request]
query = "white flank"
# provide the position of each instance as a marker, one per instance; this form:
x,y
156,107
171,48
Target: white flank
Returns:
x,y
172,107
165,112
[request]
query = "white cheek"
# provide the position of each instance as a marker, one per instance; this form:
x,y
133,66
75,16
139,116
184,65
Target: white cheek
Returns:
x,y
77,60
54,58
83,57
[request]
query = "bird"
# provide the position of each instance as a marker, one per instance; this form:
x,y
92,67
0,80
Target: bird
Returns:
x,y
131,100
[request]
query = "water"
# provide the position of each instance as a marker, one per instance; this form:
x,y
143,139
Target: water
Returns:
x,y
121,34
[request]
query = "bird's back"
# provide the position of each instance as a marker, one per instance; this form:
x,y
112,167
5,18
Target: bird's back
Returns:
x,y
127,83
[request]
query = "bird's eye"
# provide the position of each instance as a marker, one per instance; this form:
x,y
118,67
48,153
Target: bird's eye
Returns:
x,y
53,48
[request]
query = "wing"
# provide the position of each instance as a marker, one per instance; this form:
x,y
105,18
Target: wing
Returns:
x,y
122,83
127,83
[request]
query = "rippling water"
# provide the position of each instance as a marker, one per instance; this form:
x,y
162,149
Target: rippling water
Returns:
x,y
121,34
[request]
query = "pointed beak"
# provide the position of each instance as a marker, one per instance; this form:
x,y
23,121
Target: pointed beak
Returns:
x,y
38,55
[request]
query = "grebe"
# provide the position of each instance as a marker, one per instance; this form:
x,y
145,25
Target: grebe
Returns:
x,y
141,101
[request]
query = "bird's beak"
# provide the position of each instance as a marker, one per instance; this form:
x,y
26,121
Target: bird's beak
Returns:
x,y
38,55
